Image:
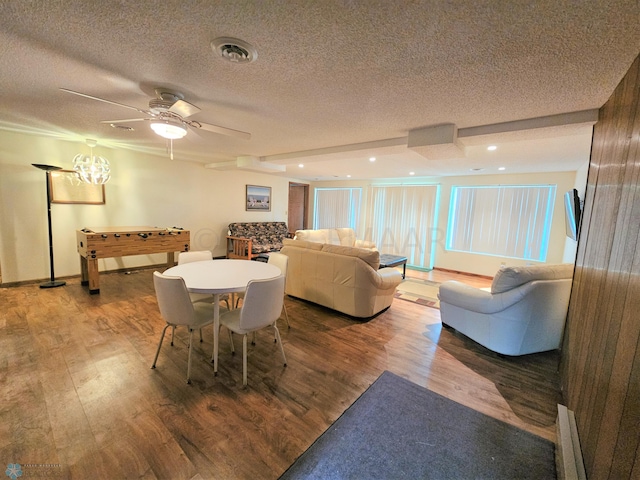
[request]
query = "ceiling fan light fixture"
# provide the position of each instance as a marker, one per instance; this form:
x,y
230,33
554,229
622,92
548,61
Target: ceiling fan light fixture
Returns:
x,y
168,129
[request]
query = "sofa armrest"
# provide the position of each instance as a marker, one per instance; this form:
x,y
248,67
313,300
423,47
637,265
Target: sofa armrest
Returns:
x,y
478,300
238,247
388,278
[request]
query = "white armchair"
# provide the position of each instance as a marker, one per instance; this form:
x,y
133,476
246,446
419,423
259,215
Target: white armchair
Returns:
x,y
524,312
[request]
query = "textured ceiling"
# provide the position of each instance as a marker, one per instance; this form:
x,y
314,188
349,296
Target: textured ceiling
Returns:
x,y
335,82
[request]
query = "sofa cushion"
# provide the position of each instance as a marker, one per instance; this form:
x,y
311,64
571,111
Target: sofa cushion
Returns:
x,y
371,257
302,244
509,278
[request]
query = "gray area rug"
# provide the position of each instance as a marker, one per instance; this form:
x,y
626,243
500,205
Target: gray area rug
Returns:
x,y
398,429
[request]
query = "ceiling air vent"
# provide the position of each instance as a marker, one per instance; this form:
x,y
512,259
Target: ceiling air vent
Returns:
x,y
234,50
121,127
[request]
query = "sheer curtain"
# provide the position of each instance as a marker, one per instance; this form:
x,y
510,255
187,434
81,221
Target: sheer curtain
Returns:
x,y
510,221
337,207
402,220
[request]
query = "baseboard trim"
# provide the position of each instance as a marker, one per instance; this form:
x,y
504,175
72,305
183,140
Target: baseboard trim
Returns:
x,y
569,463
160,266
488,277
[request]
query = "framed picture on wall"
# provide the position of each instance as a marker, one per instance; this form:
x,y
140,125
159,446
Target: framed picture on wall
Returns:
x,y
67,187
258,198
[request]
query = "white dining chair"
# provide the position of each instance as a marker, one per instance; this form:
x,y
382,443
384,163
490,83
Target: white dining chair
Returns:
x,y
177,309
198,256
281,261
261,308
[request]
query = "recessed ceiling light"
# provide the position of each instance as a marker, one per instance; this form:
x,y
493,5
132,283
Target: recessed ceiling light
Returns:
x,y
348,176
502,168
412,173
372,159
491,148
301,165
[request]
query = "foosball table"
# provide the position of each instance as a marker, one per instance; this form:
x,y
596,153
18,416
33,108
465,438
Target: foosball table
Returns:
x,y
108,242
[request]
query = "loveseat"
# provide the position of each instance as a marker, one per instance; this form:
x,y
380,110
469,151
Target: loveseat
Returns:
x,y
524,312
346,279
334,236
250,239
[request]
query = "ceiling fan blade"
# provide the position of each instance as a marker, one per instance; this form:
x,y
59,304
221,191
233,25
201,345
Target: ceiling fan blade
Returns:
x,y
221,130
125,120
184,109
106,101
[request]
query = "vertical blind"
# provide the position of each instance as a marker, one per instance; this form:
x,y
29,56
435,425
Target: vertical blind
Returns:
x,y
511,221
403,220
337,207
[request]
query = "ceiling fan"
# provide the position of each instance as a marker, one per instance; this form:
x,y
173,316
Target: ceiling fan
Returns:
x,y
168,115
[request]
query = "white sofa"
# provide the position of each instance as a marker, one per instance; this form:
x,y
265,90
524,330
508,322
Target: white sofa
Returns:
x,y
346,279
334,236
524,312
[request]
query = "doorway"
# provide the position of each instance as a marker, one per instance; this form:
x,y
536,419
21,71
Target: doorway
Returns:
x,y
298,216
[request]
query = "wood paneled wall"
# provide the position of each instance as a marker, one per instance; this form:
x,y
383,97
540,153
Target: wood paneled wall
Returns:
x,y
600,367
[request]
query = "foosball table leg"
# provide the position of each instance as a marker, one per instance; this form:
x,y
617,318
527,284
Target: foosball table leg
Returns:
x,y
84,272
94,277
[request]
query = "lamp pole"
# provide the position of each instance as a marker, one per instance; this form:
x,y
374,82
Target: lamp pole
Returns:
x,y
52,282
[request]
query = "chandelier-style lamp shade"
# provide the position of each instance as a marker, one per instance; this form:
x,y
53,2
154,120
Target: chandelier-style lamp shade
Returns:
x,y
169,129
52,282
92,168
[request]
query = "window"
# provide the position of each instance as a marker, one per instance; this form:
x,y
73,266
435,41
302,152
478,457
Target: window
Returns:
x,y
403,220
336,207
510,221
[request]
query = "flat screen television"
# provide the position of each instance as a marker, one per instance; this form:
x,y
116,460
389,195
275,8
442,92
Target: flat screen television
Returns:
x,y
572,213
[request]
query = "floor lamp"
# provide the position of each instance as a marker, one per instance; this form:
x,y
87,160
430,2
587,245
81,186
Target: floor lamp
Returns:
x,y
53,282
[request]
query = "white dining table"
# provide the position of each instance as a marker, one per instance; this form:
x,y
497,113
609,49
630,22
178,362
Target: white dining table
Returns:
x,y
218,277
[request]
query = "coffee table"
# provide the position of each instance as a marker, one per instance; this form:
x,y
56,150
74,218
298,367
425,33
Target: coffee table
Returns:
x,y
389,260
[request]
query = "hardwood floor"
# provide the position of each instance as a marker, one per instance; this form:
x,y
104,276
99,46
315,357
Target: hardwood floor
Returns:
x,y
79,394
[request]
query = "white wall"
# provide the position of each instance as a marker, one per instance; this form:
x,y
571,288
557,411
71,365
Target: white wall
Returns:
x,y
144,190
474,263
